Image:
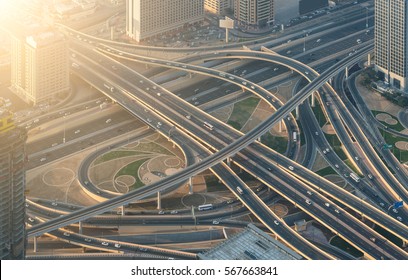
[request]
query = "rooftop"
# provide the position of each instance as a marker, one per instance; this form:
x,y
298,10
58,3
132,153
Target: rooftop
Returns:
x,y
250,244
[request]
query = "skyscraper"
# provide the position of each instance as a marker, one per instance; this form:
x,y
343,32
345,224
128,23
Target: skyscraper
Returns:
x,y
39,66
147,18
391,41
218,6
12,186
254,12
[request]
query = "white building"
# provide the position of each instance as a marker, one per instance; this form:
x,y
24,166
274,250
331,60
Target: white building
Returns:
x,y
147,18
391,42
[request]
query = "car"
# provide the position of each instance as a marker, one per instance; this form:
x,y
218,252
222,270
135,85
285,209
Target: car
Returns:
x,y
88,240
318,40
346,175
244,83
230,201
337,166
158,94
26,205
308,201
159,123
174,212
108,120
382,204
141,81
143,249
31,220
54,144
188,117
327,150
77,131
370,176
316,133
104,243
309,193
117,245
356,158
395,210
291,167
43,159
275,69
270,169
337,211
276,222
54,204
215,222
327,204
307,73
161,212
399,218
324,152
259,189
66,233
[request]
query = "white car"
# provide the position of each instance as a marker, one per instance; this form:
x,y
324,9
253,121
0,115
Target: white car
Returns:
x,y
291,167
215,222
117,245
31,220
108,120
66,234
174,212
104,243
77,131
327,204
399,218
395,211
308,201
276,222
43,159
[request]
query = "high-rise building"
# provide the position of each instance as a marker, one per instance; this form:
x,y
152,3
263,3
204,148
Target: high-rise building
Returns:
x,y
147,18
254,12
40,66
218,7
12,186
391,42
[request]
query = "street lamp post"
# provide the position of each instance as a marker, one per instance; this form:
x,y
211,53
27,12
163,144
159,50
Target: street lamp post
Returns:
x,y
63,138
366,17
304,40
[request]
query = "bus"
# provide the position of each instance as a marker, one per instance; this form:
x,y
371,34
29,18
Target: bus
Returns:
x,y
205,207
209,126
240,190
354,177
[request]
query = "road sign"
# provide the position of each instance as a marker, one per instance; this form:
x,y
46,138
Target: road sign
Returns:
x,y
398,204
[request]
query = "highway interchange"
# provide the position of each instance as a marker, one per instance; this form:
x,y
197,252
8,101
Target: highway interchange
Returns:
x,y
146,99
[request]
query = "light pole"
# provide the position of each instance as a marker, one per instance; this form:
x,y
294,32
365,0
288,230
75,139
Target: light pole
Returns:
x,y
366,17
63,138
304,40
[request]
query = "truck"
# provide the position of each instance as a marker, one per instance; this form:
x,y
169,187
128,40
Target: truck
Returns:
x,y
294,136
111,88
354,177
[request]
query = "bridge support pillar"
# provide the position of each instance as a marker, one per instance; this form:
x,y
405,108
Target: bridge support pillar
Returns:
x,y
347,72
297,112
122,210
229,161
369,59
313,99
112,33
80,227
259,139
190,75
35,244
158,200
190,183
404,243
280,126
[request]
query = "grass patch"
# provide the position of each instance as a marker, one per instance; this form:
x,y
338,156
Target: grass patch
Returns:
x,y
132,170
152,147
397,127
326,171
345,246
339,151
214,185
394,239
242,111
115,154
391,139
277,143
321,118
351,165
